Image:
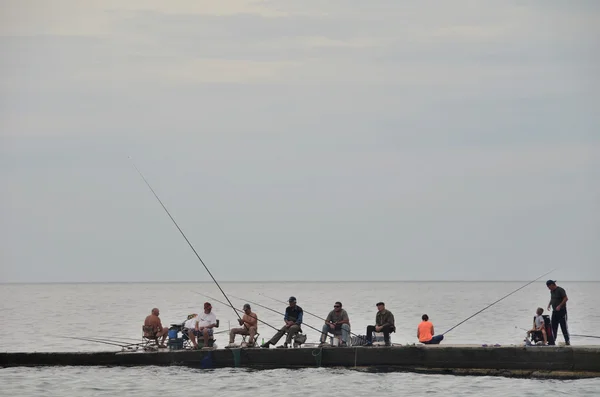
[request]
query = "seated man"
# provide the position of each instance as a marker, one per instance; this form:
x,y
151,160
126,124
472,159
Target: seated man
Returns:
x,y
249,323
337,320
384,322
153,328
293,321
203,326
539,325
425,332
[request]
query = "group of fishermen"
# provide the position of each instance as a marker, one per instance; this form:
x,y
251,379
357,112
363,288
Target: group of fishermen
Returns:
x,y
337,323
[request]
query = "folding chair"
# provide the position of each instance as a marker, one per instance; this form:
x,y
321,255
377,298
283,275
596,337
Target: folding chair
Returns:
x,y
149,338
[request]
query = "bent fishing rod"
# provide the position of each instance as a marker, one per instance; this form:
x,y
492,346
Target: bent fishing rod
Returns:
x,y
305,311
273,310
185,237
492,304
237,310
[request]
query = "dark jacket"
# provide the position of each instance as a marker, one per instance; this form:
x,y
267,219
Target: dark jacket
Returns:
x,y
294,314
385,317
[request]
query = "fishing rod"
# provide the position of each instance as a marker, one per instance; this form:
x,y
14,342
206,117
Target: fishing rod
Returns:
x,y
184,236
100,341
492,304
577,335
585,336
305,311
237,310
273,310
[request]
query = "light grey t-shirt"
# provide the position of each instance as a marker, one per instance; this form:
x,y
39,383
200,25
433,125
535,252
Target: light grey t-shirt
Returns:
x,y
539,322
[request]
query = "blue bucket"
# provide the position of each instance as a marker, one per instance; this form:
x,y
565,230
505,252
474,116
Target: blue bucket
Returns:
x,y
172,334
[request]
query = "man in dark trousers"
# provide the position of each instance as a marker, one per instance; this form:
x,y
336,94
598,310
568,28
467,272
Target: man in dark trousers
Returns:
x,y
558,301
293,321
384,322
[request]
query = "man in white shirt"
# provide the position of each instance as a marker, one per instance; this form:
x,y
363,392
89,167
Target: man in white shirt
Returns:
x,y
539,325
204,324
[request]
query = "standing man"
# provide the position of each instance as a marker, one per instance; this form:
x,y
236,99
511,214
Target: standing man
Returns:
x,y
293,321
384,322
249,323
153,328
426,334
204,325
337,320
558,301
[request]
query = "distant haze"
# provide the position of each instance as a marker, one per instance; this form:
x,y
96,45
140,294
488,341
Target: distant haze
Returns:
x,y
299,140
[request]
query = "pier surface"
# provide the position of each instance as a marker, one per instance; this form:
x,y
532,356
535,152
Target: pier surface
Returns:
x,y
514,361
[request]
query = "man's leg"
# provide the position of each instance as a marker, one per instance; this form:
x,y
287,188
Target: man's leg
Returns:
x,y
234,332
386,334
564,328
292,331
205,336
278,335
370,330
345,333
252,332
436,339
555,320
164,334
324,332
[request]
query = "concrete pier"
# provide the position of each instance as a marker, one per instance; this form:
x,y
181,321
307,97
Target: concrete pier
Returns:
x,y
513,361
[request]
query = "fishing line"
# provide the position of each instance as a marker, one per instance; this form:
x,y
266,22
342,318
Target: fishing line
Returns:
x,y
492,304
184,236
98,341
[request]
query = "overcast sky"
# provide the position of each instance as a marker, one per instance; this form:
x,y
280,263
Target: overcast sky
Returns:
x,y
300,140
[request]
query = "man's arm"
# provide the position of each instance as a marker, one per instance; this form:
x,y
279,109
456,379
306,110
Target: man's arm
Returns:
x,y
390,320
329,318
299,319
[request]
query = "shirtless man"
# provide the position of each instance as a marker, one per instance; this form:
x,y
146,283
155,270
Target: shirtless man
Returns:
x,y
249,323
153,328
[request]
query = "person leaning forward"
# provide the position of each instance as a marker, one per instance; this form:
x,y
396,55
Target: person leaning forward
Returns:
x,y
249,323
337,320
293,321
384,322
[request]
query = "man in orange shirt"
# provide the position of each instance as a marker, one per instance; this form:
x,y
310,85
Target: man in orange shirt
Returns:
x,y
425,332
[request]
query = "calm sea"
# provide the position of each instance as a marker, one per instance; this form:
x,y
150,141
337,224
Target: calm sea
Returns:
x,y
35,316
